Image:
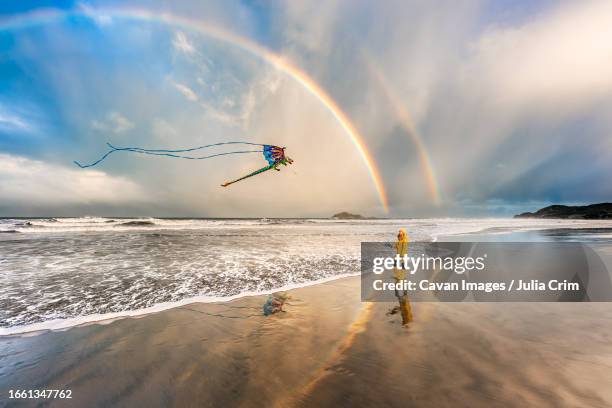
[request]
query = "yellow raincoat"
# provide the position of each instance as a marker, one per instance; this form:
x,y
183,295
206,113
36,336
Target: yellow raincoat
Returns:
x,y
401,248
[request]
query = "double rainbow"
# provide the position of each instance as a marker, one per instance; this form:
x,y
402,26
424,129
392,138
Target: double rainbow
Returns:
x,y
218,33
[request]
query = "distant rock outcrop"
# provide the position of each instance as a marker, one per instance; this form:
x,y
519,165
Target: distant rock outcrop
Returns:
x,y
600,211
347,216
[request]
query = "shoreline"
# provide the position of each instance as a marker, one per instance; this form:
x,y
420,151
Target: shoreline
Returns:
x,y
59,325
328,349
103,364
72,322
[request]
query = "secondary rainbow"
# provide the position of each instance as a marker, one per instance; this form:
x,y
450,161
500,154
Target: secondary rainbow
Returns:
x,y
107,14
407,123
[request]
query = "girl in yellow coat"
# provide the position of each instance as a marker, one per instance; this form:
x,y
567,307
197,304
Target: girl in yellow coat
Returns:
x,y
401,248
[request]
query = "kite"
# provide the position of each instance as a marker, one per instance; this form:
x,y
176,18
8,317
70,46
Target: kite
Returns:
x,y
274,155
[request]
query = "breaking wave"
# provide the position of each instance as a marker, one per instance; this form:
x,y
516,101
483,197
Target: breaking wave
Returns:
x,y
56,272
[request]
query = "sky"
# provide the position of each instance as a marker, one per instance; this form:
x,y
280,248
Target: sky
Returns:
x,y
396,108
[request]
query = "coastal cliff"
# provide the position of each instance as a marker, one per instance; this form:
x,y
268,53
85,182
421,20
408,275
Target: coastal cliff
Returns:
x,y
585,212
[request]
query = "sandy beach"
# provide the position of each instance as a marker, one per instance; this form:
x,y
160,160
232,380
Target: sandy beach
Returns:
x,y
425,190
329,348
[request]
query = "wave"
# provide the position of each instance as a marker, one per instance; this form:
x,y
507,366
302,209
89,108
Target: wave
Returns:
x,y
99,224
105,318
134,223
443,226
176,260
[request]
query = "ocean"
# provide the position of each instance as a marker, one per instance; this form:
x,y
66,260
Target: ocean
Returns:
x,y
59,272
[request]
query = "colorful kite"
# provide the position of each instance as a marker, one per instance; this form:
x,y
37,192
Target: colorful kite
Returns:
x,y
274,155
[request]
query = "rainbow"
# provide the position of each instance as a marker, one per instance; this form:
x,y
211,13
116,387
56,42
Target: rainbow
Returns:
x,y
215,32
405,120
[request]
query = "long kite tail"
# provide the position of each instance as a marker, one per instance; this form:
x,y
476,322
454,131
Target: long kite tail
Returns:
x,y
256,172
171,153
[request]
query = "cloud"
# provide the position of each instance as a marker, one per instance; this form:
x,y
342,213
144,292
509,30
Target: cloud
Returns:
x,y
265,87
186,91
523,94
10,122
500,101
115,122
101,18
27,182
310,26
15,117
561,60
182,43
530,91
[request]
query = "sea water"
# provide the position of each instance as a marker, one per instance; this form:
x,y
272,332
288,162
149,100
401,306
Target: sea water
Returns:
x,y
58,272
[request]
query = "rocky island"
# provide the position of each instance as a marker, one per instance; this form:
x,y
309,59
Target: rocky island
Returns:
x,y
347,216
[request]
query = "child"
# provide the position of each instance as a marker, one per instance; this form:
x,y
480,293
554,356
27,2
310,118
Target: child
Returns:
x,y
401,248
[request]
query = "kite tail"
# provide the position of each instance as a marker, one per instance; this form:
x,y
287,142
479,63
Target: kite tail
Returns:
x,y
256,172
191,149
83,166
171,153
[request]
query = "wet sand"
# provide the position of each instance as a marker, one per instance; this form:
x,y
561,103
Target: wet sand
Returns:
x,y
328,349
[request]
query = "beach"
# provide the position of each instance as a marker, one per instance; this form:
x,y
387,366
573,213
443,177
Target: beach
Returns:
x,y
170,313
300,204
327,349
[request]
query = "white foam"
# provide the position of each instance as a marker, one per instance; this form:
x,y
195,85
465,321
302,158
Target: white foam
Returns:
x,y
107,318
83,276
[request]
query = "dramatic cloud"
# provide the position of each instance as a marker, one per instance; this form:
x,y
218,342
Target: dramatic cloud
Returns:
x,y
27,184
497,104
553,63
475,108
523,97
